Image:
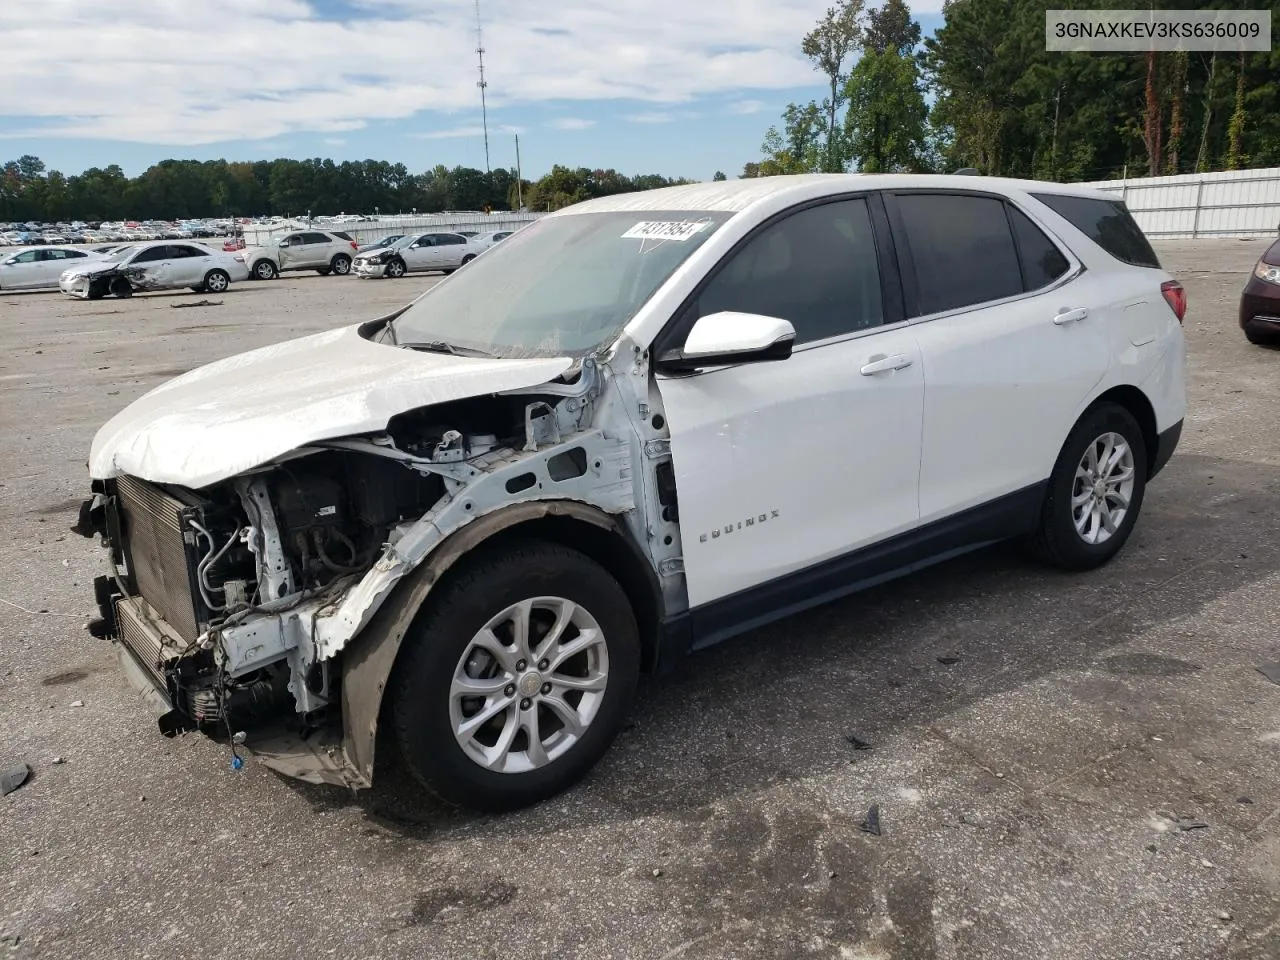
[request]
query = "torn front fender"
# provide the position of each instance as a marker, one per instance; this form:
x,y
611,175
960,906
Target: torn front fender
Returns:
x,y
368,661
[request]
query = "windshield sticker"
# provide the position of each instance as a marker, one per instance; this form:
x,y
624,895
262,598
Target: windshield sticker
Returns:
x,y
665,229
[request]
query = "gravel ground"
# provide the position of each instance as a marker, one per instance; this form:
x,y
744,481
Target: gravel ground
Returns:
x,y
1033,794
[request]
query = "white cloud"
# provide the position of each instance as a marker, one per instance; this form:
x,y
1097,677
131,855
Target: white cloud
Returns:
x,y
460,132
745,107
662,116
185,72
336,141
571,123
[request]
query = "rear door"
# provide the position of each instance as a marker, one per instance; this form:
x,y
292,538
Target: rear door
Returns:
x,y
1013,338
189,264
319,249
452,248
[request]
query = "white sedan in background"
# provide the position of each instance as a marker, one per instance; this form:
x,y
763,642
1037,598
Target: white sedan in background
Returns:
x,y
38,268
155,266
423,251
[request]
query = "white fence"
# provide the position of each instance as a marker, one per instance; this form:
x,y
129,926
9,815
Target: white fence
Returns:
x,y
1235,203
368,231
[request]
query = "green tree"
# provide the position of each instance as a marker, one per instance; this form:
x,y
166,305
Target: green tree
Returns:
x,y
830,44
891,28
719,175
886,120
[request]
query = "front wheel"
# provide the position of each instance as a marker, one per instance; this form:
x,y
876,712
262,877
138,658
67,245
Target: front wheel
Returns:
x,y
395,269
1095,492
121,287
265,270
217,281
341,264
517,678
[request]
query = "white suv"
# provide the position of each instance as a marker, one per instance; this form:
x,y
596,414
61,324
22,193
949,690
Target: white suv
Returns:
x,y
325,253
637,427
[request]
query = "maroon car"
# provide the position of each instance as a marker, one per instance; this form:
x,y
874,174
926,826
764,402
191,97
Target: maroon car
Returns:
x,y
1260,301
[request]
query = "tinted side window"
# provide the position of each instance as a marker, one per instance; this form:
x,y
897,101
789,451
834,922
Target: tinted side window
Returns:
x,y
183,252
73,254
152,255
31,256
315,238
1042,262
450,239
816,268
962,249
1107,223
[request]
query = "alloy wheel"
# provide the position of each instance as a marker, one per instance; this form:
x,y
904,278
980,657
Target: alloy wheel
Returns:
x,y
1103,488
529,684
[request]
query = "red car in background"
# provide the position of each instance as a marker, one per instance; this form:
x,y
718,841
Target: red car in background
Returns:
x,y
1260,301
232,244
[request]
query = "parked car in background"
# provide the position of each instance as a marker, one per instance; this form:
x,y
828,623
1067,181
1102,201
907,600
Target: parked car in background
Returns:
x,y
421,252
323,252
155,266
382,244
1260,300
489,239
38,268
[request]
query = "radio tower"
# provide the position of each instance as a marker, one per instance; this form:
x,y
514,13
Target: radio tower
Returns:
x,y
484,113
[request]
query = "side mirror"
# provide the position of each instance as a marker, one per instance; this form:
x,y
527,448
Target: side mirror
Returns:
x,y
731,337
283,243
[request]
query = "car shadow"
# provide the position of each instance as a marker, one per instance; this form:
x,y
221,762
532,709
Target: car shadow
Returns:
x,y
780,703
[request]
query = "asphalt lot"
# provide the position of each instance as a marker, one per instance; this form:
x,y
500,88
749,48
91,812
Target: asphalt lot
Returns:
x,y
1032,794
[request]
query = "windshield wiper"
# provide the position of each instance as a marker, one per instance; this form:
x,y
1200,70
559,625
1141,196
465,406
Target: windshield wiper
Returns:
x,y
443,346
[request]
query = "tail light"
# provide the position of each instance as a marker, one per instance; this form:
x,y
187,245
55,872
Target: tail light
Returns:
x,y
354,245
1176,297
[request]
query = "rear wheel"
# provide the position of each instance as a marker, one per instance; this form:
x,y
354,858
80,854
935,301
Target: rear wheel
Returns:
x,y
517,678
217,281
468,258
1095,492
341,264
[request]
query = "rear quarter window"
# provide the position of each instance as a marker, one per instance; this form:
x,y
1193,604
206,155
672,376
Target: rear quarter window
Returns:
x,y
1107,223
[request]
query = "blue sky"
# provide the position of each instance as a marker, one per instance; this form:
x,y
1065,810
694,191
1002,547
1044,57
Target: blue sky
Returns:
x,y
644,86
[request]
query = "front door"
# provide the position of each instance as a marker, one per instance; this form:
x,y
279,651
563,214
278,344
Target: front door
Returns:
x,y
292,251
782,465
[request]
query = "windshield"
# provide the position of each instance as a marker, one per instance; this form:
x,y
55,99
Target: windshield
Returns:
x,y
562,286
120,253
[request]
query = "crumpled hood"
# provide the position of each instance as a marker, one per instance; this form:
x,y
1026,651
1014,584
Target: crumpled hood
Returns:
x,y
219,420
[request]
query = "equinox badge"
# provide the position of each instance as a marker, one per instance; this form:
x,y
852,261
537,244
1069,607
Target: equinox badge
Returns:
x,y
728,528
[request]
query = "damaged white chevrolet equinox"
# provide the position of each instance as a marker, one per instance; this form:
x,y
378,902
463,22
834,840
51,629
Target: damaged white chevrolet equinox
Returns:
x,y
637,427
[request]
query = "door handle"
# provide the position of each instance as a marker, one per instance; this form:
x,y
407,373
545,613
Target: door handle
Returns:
x,y
881,364
1070,316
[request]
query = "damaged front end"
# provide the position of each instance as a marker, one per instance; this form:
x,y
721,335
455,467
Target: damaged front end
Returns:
x,y
93,283
237,607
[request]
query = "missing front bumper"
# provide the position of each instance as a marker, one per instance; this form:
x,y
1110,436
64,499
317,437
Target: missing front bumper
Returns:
x,y
149,651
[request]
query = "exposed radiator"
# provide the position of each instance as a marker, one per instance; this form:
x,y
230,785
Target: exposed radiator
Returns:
x,y
159,550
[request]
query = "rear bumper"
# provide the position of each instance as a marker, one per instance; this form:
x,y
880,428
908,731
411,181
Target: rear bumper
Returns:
x,y
1166,443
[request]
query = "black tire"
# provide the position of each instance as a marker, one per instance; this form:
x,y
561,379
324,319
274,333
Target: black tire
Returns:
x,y
480,590
197,289
1056,540
216,281
265,270
97,290
468,258
1260,339
340,264
121,287
324,271
395,269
